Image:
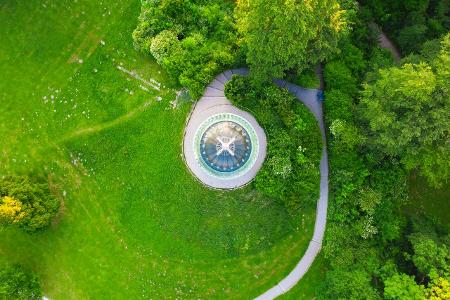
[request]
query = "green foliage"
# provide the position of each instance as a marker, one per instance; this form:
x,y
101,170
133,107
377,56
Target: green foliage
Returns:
x,y
411,36
339,76
307,79
38,205
345,137
403,287
17,283
290,173
164,45
191,40
338,105
352,285
430,257
283,35
411,22
406,111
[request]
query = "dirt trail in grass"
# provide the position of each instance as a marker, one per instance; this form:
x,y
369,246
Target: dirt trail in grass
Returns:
x,y
105,125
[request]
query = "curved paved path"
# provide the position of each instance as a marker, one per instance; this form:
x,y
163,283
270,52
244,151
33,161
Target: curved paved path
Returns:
x,y
214,97
309,97
385,42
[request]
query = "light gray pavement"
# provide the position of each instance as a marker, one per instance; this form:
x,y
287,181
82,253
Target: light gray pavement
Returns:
x,y
212,103
214,99
385,42
309,97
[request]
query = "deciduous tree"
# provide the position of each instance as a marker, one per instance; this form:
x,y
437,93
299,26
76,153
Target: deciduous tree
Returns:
x,y
280,35
17,283
26,203
407,113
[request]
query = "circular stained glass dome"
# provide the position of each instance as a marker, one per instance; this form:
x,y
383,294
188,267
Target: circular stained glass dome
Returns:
x,y
226,145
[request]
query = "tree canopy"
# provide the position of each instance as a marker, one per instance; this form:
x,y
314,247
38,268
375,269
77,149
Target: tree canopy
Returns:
x,y
282,35
407,112
192,40
17,283
26,203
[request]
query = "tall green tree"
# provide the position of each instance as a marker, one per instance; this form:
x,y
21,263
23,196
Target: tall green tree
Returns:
x,y
403,287
407,113
279,35
17,283
192,40
26,203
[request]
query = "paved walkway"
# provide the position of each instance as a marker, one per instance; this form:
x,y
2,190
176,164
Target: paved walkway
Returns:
x,y
309,97
385,42
212,103
214,100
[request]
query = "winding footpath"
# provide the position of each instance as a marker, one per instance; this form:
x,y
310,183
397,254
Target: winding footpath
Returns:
x,y
214,99
385,43
310,98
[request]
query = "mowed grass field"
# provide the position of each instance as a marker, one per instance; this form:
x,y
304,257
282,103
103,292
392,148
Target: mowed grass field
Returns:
x,y
78,104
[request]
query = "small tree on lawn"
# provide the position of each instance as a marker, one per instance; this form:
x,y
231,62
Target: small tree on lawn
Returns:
x,y
26,203
17,283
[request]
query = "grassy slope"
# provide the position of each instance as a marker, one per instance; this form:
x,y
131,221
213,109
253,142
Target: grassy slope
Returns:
x,y
306,289
135,223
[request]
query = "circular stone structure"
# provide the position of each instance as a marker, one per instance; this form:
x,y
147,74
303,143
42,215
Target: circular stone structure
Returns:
x,y
224,147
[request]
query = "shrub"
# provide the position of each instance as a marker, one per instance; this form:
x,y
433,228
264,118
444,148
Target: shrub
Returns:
x,y
191,40
338,105
17,283
26,203
338,76
291,171
163,45
308,79
11,210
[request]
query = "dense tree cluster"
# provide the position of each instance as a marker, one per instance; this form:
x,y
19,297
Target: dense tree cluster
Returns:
x,y
193,40
18,283
282,35
380,118
291,171
407,112
26,203
411,22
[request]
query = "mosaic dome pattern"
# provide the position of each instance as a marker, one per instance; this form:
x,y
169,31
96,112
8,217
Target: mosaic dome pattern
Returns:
x,y
225,146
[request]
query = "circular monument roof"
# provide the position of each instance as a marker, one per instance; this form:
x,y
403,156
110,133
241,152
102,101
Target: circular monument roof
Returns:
x,y
224,147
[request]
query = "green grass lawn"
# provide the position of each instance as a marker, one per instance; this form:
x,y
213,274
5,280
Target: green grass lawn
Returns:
x,y
134,223
306,289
